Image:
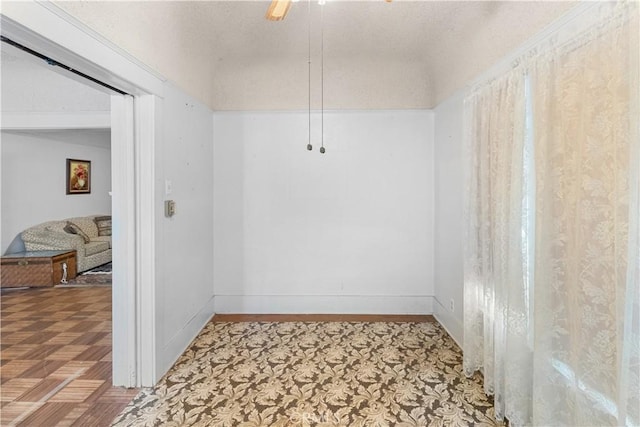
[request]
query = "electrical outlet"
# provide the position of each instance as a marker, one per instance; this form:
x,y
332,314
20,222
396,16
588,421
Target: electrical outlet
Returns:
x,y
451,305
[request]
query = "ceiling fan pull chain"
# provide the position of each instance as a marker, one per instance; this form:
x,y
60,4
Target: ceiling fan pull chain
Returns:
x,y
309,146
322,150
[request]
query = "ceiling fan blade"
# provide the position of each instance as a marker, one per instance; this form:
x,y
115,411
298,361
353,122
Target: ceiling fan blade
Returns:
x,y
278,10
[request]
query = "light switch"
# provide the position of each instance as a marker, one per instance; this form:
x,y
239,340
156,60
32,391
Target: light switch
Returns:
x,y
168,187
169,208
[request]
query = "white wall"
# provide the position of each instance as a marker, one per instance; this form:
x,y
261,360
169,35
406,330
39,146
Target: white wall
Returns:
x,y
449,186
29,85
184,243
349,231
34,176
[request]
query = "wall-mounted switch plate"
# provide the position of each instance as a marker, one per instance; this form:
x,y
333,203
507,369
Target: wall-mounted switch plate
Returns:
x,y
168,187
169,208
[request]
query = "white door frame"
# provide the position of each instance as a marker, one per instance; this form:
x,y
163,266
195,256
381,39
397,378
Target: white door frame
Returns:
x,y
44,27
147,110
123,201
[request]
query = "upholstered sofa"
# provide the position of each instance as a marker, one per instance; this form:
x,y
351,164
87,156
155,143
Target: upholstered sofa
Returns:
x,y
52,236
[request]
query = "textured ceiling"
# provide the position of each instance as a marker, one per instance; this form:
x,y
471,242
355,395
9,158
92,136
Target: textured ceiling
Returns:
x,y
377,55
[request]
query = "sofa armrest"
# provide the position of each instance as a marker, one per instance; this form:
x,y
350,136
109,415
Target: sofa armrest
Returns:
x,y
52,239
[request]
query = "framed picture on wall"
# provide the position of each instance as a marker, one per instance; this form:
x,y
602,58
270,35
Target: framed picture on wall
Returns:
x,y
78,176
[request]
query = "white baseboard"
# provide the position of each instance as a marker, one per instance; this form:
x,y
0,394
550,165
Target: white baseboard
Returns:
x,y
180,341
323,304
449,322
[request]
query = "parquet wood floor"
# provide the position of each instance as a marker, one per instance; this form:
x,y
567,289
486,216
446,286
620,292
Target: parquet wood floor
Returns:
x,y
55,358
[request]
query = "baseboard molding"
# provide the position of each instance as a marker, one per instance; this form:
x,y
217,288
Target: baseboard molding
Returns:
x,y
449,322
180,341
323,304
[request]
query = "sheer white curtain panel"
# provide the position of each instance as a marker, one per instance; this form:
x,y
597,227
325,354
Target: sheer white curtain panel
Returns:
x,y
495,327
585,126
554,160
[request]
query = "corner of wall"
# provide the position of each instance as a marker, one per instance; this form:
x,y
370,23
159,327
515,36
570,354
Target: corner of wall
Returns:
x,y
450,323
448,222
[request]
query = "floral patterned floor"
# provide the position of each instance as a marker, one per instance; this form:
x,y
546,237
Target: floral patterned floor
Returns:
x,y
315,374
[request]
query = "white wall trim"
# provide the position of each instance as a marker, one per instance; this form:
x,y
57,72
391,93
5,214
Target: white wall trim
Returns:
x,y
43,26
48,121
324,304
432,219
124,255
181,339
145,164
97,36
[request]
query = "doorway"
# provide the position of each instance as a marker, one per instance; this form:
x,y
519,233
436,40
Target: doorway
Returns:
x,y
132,120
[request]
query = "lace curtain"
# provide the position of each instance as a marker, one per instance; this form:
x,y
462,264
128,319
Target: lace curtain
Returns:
x,y
494,296
552,251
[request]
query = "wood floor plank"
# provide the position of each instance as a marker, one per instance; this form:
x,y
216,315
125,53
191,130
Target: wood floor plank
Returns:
x,y
68,352
93,353
39,391
72,368
16,351
42,369
84,326
77,412
16,387
16,325
15,411
17,316
14,368
89,338
41,352
96,395
60,315
40,337
77,391
99,371
49,414
64,338
11,338
38,326
64,326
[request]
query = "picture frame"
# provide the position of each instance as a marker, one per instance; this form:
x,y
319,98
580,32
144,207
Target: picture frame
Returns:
x,y
78,176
